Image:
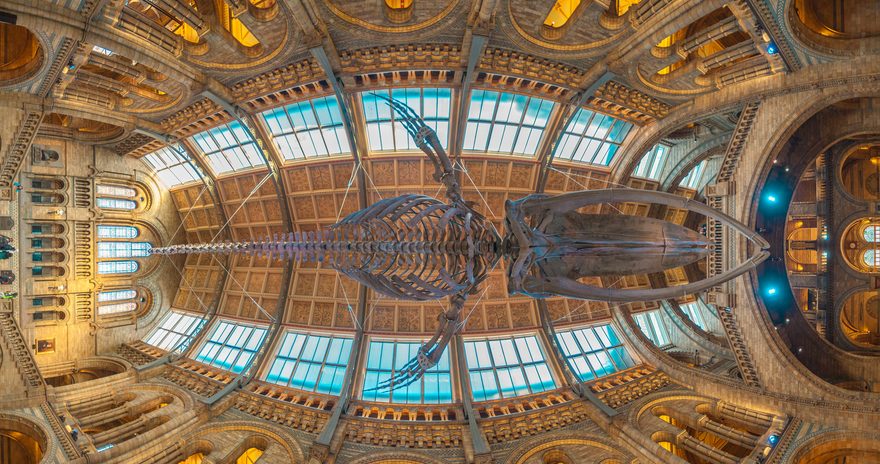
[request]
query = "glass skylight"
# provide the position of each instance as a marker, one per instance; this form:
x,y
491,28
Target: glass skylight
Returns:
x,y
505,122
695,314
384,131
117,231
174,328
507,367
229,148
386,358
311,362
231,346
651,164
651,324
692,180
307,129
594,351
592,138
173,166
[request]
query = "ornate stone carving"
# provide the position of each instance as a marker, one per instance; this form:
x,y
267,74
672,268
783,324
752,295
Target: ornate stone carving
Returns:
x,y
632,99
628,386
392,58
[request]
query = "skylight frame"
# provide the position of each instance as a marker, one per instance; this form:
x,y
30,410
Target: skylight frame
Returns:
x,y
175,328
328,374
524,375
385,134
317,132
229,149
173,166
652,162
434,387
488,121
592,137
585,349
233,340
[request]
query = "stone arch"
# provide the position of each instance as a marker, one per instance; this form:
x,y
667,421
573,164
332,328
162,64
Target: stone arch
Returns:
x,y
29,440
262,430
84,370
21,54
600,448
401,456
825,447
703,151
846,32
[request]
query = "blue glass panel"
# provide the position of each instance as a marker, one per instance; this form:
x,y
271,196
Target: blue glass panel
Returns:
x,y
173,166
593,352
591,138
172,329
228,148
386,358
507,367
308,129
310,362
506,122
231,346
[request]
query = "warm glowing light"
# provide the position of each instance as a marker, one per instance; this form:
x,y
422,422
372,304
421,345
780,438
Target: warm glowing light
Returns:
x,y
249,457
235,27
561,13
624,5
398,4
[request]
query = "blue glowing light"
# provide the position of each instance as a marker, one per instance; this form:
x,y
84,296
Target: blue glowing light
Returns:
x,y
771,49
773,439
771,198
771,291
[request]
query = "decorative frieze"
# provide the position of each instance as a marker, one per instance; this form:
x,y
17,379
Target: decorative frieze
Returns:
x,y
409,434
619,94
627,386
499,61
291,415
395,57
292,75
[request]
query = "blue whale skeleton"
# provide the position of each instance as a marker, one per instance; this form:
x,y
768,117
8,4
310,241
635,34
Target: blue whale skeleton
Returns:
x,y
415,247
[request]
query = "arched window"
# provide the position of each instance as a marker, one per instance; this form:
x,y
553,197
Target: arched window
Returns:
x,y
116,295
871,258
121,301
116,191
117,267
117,232
123,249
117,308
872,233
116,203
